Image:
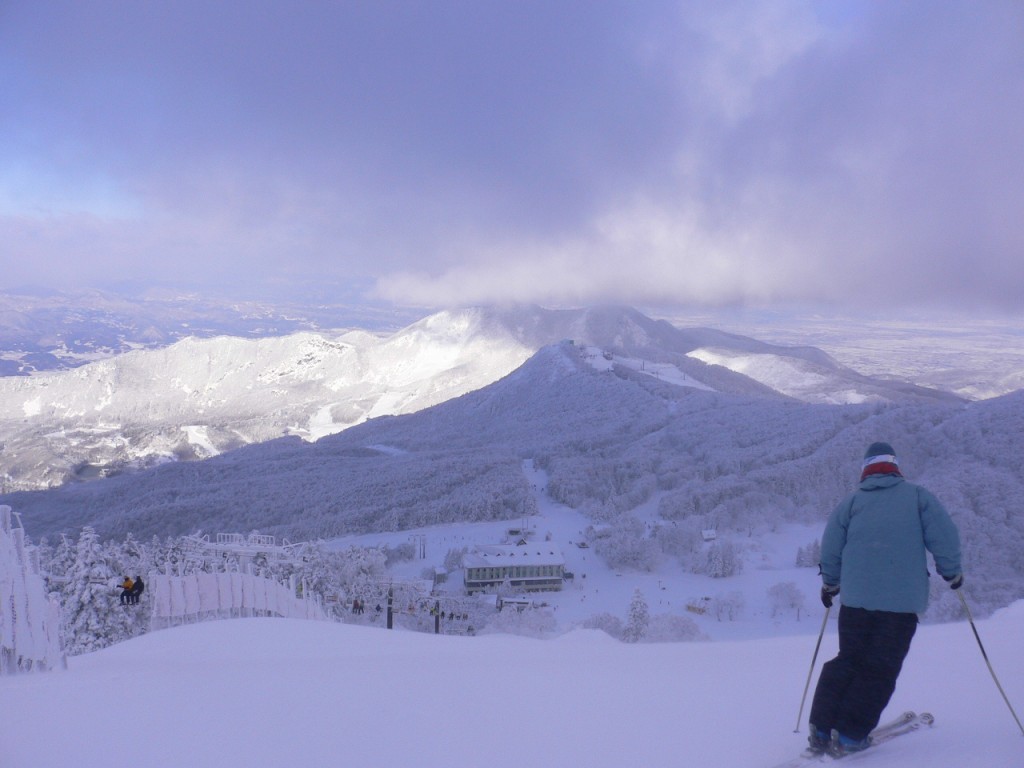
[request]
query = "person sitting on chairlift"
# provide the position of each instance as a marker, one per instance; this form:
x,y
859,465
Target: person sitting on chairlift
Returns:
x,y
136,591
126,590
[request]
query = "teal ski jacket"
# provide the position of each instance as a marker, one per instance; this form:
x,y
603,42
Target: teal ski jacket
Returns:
x,y
875,542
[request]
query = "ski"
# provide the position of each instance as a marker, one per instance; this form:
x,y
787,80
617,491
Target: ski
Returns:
x,y
905,723
803,760
897,722
923,719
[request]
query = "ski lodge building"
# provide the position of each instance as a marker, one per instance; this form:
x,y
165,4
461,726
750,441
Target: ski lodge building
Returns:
x,y
534,567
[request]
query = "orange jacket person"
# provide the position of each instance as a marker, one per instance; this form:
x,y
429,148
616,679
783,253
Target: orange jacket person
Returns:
x,y
126,590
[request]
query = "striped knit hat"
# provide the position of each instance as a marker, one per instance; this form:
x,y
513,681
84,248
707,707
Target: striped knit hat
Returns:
x,y
880,459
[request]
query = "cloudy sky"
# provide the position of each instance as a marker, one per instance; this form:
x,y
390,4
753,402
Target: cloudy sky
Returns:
x,y
848,154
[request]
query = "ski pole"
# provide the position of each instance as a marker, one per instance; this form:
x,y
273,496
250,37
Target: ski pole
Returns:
x,y
810,672
984,655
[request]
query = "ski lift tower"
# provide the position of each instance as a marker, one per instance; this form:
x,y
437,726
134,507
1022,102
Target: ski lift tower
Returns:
x,y
419,540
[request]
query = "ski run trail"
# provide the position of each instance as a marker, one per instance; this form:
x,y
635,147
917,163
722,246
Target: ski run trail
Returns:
x,y
291,693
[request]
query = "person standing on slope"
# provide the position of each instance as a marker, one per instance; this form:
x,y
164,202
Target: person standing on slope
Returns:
x,y
874,550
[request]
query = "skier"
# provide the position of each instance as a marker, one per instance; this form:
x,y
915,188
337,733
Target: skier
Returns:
x,y
874,550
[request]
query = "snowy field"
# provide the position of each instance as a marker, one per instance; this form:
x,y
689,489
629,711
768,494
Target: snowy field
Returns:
x,y
278,692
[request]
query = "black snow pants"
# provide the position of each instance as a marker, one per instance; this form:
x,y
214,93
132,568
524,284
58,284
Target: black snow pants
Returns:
x,y
856,685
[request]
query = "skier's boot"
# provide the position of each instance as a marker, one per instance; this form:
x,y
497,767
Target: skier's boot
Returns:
x,y
841,745
818,741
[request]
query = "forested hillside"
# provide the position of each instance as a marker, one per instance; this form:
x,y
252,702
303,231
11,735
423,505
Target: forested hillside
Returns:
x,y
610,441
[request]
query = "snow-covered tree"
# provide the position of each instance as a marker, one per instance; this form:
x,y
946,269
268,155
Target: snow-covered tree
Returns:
x,y
315,570
93,615
722,560
56,562
606,622
626,545
358,564
672,628
453,559
786,596
728,605
681,540
809,556
400,553
639,619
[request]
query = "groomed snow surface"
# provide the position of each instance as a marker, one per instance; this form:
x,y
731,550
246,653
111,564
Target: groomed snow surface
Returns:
x,y
281,692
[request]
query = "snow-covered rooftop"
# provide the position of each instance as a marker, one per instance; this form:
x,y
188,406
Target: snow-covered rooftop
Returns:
x,y
527,554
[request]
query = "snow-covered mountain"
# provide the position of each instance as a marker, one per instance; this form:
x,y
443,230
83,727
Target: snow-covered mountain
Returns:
x,y
198,397
45,330
612,440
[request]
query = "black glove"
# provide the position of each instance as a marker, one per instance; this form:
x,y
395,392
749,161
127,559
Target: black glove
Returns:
x,y
955,582
828,591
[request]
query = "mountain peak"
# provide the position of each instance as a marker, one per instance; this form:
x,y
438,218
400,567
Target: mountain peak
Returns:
x,y
200,396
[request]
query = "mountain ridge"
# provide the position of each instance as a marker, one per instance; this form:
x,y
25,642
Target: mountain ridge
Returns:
x,y
199,397
611,440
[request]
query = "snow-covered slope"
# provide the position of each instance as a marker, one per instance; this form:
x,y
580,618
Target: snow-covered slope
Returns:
x,y
808,379
274,692
46,330
199,397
